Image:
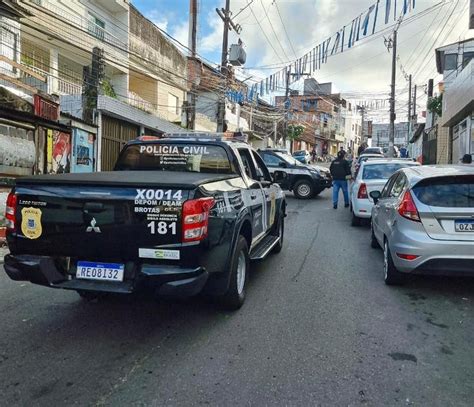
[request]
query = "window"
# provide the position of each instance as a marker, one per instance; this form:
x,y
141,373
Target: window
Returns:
x,y
96,27
173,104
248,164
466,58
261,168
175,157
398,186
388,187
382,171
447,192
450,62
271,160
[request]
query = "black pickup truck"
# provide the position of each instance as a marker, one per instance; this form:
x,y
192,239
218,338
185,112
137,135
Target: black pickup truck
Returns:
x,y
180,215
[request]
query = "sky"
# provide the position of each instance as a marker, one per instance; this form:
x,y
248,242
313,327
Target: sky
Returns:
x,y
276,32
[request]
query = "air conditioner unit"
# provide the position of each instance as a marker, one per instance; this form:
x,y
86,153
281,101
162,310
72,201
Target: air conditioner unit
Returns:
x,y
237,55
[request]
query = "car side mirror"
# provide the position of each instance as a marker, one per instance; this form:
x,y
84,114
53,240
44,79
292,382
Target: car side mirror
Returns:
x,y
282,164
375,195
279,176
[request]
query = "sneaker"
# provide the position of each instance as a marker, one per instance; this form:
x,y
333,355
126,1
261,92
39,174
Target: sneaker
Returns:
x,y
346,206
335,206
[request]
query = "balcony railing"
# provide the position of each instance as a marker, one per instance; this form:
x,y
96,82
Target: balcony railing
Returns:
x,y
82,23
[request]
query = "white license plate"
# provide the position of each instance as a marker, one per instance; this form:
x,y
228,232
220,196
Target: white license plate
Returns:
x,y
88,270
464,225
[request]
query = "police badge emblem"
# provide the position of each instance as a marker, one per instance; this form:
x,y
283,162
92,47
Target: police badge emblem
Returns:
x,y
31,222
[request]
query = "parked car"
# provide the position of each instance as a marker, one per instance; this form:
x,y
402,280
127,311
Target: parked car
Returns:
x,y
306,181
424,221
302,156
372,176
178,215
373,150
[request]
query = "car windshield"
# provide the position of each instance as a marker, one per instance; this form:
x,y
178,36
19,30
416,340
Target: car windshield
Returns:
x,y
383,170
298,153
448,192
175,157
289,159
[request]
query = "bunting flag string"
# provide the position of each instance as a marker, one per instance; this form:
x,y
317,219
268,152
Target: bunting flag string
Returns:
x,y
337,43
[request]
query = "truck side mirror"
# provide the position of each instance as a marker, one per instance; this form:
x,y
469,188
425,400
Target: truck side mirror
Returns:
x,y
279,176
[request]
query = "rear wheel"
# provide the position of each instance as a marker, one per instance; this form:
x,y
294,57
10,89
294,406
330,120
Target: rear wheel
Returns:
x,y
303,189
391,275
234,298
355,221
281,234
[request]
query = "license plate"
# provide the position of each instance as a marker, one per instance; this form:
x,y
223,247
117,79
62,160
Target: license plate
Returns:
x,y
99,271
464,225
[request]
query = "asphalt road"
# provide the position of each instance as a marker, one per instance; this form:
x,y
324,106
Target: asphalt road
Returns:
x,y
319,328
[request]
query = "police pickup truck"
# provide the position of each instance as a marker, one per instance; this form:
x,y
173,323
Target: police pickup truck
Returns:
x,y
306,181
181,214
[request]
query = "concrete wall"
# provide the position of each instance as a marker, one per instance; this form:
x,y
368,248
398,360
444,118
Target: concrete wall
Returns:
x,y
161,61
17,150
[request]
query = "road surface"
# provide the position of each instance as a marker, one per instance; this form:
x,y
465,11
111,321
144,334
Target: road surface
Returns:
x,y
319,328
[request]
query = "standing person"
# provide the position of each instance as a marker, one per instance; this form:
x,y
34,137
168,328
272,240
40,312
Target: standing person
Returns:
x,y
341,172
361,149
313,155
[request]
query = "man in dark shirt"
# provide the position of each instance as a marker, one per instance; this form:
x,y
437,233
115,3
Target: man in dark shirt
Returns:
x,y
340,171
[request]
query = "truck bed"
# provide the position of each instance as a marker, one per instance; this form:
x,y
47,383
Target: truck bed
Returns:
x,y
175,179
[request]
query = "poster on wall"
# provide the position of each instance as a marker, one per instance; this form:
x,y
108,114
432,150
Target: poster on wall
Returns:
x,y
83,151
58,152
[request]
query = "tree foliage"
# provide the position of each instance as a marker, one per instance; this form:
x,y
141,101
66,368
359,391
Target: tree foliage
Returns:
x,y
294,131
435,105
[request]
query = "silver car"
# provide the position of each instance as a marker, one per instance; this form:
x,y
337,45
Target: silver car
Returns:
x,y
424,221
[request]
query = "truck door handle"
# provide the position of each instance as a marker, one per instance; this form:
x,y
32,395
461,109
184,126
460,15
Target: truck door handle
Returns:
x,y
253,196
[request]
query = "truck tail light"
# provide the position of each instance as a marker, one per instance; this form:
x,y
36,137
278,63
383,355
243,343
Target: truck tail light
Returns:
x,y
196,219
10,211
407,208
362,194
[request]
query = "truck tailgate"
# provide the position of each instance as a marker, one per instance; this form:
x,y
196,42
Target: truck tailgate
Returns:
x,y
96,222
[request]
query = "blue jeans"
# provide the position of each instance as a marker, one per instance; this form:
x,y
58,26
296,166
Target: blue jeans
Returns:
x,y
336,186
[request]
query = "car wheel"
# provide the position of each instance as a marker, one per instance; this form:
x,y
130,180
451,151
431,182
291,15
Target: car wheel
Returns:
x,y
303,189
374,244
281,234
234,298
391,275
355,221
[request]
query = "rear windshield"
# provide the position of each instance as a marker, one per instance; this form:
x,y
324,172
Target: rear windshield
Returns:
x,y
175,157
447,192
383,171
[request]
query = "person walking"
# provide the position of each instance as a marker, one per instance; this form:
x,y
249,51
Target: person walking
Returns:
x,y
341,172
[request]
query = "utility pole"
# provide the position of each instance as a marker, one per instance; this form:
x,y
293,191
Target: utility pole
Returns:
x,y
391,139
287,103
414,102
224,14
191,113
409,110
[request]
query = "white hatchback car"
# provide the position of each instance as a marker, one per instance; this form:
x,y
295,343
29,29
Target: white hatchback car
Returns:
x,y
372,176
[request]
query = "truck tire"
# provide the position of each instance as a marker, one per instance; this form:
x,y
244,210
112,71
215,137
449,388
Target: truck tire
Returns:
x,y
391,275
280,233
234,298
303,189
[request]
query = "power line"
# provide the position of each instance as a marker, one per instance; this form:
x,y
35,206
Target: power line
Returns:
x,y
284,27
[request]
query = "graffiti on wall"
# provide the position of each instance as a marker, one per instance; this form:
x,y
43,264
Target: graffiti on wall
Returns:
x,y
58,152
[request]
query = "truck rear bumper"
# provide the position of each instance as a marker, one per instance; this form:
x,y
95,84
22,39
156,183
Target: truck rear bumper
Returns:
x,y
167,281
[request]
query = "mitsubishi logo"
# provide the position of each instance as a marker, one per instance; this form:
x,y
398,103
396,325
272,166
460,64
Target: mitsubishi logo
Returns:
x,y
93,227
